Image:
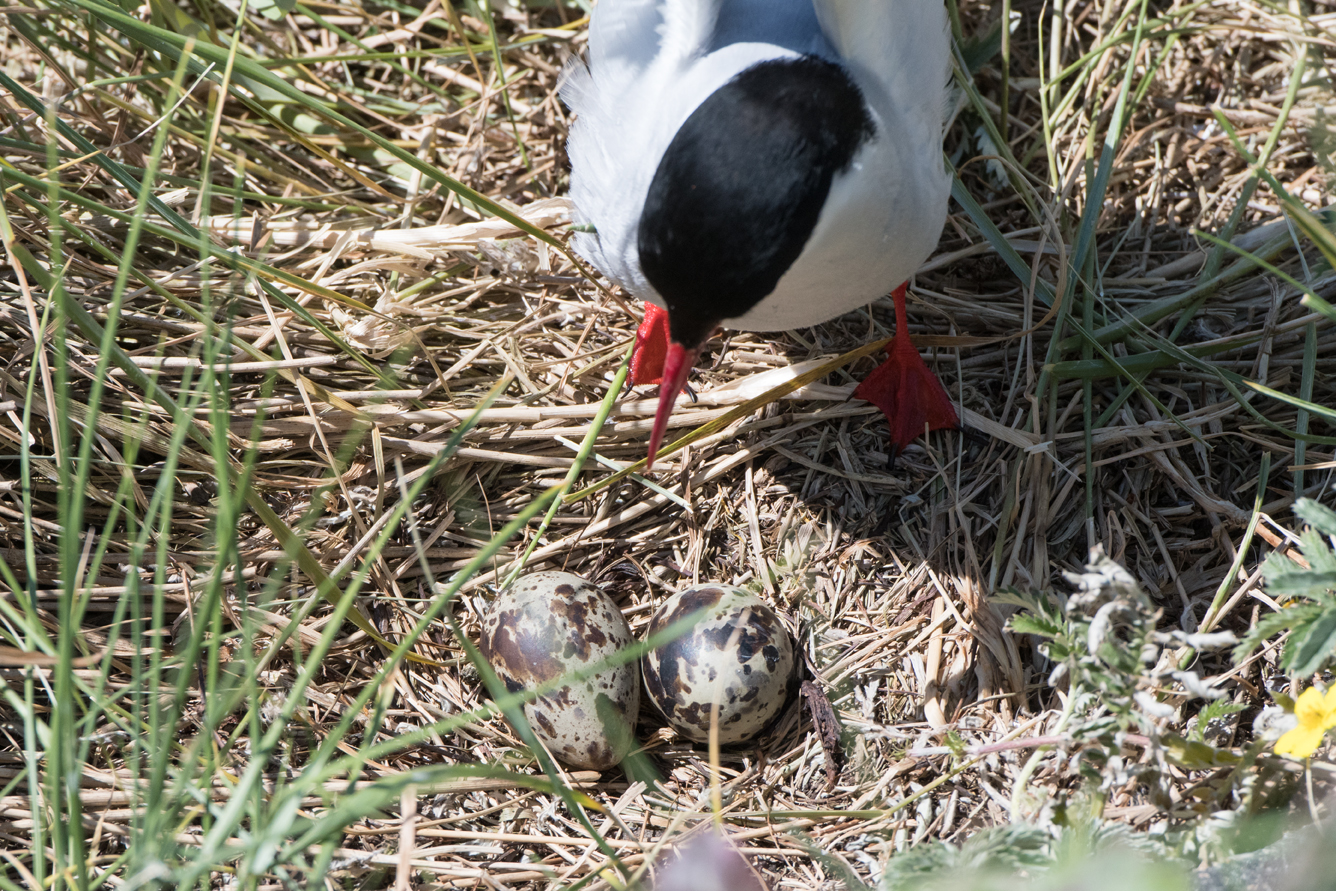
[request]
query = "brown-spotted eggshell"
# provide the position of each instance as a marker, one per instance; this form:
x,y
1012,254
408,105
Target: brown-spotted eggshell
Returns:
x,y
547,625
739,655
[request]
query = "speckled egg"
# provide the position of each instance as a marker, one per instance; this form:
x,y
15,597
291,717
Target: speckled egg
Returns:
x,y
547,625
738,655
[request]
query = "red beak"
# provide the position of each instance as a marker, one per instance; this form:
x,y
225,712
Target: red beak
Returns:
x,y
676,367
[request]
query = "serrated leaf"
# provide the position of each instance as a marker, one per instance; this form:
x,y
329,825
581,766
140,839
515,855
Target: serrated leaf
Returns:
x,y
1035,603
1317,515
1277,565
1312,645
1218,709
1013,597
1317,551
1274,623
1285,577
1024,623
1304,583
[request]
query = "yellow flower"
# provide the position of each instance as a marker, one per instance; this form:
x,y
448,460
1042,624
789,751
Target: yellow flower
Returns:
x,y
1317,715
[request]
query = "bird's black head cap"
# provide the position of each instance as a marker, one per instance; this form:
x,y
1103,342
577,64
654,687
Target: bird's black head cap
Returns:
x,y
740,187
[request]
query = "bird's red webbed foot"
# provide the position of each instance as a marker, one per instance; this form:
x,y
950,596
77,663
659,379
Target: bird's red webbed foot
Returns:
x,y
905,390
651,347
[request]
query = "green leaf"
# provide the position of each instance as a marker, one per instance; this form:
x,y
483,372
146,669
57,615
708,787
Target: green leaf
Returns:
x,y
269,9
1013,597
1218,709
1314,545
1031,624
1272,624
1194,755
1286,578
1301,582
1319,516
1312,645
1317,304
1213,711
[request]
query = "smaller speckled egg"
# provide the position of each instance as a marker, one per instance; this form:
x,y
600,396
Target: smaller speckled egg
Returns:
x,y
547,625
739,655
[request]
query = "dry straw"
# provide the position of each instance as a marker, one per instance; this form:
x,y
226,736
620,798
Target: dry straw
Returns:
x,y
353,313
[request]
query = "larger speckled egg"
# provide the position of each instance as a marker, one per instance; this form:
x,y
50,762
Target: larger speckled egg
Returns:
x,y
738,655
541,629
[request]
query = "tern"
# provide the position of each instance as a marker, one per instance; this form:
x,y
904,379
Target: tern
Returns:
x,y
763,165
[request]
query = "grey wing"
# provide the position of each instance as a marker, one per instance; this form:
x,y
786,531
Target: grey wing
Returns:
x,y
904,44
633,32
791,24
